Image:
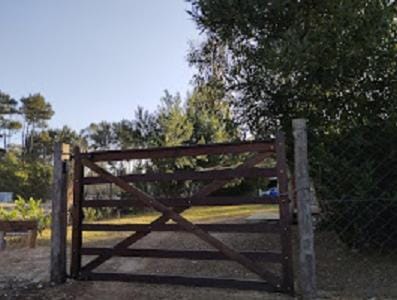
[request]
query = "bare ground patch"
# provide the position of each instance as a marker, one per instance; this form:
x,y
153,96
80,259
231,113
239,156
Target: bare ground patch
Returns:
x,y
26,274
342,273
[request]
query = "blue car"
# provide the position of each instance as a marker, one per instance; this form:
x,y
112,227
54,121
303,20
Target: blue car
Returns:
x,y
272,192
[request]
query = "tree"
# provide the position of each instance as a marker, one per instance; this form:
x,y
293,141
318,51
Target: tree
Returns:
x,y
36,111
8,105
208,109
65,135
8,108
172,127
44,141
142,131
99,136
332,62
9,128
24,178
176,128
204,118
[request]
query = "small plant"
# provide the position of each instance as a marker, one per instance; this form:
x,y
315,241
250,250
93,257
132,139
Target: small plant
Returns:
x,y
30,209
96,214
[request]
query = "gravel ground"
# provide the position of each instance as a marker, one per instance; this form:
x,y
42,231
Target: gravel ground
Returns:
x,y
18,284
342,274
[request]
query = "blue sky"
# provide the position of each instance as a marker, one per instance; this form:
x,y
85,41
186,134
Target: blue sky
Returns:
x,y
95,60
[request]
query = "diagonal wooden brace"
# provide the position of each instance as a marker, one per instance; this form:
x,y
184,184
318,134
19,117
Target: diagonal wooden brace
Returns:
x,y
205,191
184,223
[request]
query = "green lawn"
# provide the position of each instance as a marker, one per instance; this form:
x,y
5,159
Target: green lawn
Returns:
x,y
197,214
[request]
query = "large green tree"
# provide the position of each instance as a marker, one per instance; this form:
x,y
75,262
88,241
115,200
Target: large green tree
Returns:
x,y
333,62
36,112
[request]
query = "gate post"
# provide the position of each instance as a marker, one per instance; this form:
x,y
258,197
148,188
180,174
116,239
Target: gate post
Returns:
x,y
77,214
59,213
285,216
307,269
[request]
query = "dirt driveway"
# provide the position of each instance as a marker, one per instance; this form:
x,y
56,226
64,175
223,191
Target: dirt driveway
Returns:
x,y
24,272
341,272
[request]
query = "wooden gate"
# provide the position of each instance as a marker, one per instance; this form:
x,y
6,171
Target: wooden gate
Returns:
x,y
171,209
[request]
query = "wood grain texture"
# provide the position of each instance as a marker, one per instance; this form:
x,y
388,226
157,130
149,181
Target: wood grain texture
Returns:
x,y
307,262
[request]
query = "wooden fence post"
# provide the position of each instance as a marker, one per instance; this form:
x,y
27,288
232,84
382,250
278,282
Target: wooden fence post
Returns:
x,y
59,213
307,270
2,240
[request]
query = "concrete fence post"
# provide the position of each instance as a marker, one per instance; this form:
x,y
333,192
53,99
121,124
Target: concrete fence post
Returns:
x,y
307,270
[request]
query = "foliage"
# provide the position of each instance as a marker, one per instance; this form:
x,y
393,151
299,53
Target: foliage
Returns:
x,y
30,209
37,140
25,169
99,136
356,180
8,108
332,62
205,117
44,141
26,178
95,214
36,110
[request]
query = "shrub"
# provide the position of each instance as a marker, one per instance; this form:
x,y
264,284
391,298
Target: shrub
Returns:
x,y
95,214
30,209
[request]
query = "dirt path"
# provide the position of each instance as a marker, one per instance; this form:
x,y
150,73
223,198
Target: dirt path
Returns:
x,y
24,272
342,273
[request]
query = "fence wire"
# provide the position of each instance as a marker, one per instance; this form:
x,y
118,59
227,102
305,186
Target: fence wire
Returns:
x,y
354,178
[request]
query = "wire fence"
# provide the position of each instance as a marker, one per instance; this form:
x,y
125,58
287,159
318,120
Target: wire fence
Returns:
x,y
354,178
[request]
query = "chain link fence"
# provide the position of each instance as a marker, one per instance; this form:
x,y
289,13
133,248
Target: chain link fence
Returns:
x,y
354,175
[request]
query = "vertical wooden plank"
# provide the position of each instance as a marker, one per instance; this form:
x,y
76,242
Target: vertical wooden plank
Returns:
x,y
32,237
2,240
203,192
58,215
77,214
285,216
307,271
183,222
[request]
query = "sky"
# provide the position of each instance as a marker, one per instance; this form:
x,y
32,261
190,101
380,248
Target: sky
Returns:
x,y
95,60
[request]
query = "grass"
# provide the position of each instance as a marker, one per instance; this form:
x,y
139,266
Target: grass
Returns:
x,y
197,214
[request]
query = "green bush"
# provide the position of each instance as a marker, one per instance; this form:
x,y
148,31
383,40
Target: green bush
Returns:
x,y
30,209
95,214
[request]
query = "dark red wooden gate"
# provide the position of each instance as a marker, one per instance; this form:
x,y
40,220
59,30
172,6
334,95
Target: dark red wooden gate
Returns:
x,y
171,209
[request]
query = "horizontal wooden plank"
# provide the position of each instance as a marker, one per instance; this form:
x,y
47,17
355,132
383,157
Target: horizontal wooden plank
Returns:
x,y
182,221
193,150
183,202
183,280
243,227
17,226
272,257
190,175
